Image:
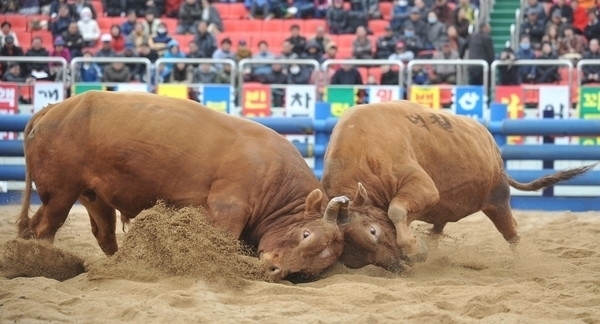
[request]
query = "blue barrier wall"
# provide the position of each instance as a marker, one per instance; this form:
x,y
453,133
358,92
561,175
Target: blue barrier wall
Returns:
x,y
322,126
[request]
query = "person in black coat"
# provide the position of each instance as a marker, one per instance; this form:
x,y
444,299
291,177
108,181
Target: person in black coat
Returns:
x,y
481,47
508,74
347,74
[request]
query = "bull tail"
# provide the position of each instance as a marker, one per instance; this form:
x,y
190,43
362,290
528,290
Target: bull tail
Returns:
x,y
23,218
551,179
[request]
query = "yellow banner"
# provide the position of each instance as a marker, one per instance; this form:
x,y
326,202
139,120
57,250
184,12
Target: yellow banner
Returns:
x,y
426,95
173,90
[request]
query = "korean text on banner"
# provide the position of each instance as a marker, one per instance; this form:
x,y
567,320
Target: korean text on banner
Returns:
x,y
512,96
45,93
554,98
172,90
341,98
300,100
216,97
256,100
79,88
9,100
132,87
379,93
468,101
589,108
428,96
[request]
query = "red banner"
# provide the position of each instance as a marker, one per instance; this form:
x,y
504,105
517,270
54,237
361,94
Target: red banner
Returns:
x,y
256,100
514,98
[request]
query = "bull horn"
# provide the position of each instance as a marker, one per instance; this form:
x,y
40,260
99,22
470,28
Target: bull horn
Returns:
x,y
333,208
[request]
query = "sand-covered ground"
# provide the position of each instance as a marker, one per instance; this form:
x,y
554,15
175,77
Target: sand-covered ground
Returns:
x,y
470,276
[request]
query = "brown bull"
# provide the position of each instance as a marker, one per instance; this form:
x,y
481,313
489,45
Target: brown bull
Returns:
x,y
415,163
124,151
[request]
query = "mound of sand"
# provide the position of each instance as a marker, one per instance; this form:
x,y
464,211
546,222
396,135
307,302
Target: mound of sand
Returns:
x,y
163,241
32,258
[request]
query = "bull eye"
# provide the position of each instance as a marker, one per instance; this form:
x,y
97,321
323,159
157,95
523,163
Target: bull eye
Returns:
x,y
305,234
373,231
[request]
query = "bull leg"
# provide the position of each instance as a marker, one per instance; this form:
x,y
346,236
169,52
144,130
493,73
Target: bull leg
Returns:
x,y
227,213
50,216
498,210
417,194
103,219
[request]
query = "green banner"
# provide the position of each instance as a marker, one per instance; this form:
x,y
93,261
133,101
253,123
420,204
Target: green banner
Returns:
x,y
340,98
589,108
83,87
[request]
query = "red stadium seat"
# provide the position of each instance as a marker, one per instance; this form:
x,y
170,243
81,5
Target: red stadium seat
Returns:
x,y
47,39
18,22
377,26
237,11
272,26
310,26
223,9
288,23
105,22
99,8
32,18
171,24
345,42
386,10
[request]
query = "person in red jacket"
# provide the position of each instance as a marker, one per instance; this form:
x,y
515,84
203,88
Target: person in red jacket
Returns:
x,y
172,8
580,16
117,41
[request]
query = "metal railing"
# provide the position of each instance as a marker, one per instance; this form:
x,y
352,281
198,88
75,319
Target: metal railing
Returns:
x,y
515,37
458,62
43,59
196,61
125,60
580,66
558,62
375,63
249,61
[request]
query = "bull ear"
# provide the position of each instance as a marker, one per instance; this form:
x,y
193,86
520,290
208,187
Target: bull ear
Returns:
x,y
361,197
313,201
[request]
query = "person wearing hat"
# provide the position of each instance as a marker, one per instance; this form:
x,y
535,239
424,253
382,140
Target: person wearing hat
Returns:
x,y
533,27
337,18
556,19
386,44
243,51
538,7
60,50
418,25
6,31
412,41
565,10
10,49
400,13
105,50
88,27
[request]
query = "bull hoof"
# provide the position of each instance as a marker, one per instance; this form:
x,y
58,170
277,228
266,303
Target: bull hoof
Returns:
x,y
419,252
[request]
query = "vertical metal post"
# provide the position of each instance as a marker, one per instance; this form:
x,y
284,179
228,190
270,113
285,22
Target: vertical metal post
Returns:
x,y
322,112
498,112
548,164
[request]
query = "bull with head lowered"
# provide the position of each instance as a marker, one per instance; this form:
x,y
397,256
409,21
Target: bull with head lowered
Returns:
x,y
404,162
125,151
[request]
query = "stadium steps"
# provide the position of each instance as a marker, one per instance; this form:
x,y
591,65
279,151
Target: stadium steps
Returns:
x,y
501,17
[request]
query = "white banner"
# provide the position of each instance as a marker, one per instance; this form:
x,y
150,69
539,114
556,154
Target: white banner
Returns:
x,y
300,100
132,87
555,98
45,93
383,93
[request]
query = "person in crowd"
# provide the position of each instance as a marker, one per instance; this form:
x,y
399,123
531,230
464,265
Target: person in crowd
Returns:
x,y
182,73
362,48
39,70
386,44
13,74
298,41
412,41
443,11
207,43
461,23
552,37
533,27
565,10
205,74
138,36
591,72
243,51
389,76
277,76
508,74
346,74
10,49
468,11
321,7
436,32
55,9
88,28
5,31
88,71
538,7
60,50
416,24
151,23
400,13
481,47
79,5
160,41
571,46
116,8
74,40
298,74
402,54
134,68
223,52
547,73
105,50
258,8
262,54
129,24
321,38
117,41
190,11
61,23
445,73
211,15
173,52
556,20
580,16
337,18
592,30
116,72
527,73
